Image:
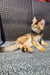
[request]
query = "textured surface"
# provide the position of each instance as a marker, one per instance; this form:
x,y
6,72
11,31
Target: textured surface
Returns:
x,y
20,63
16,17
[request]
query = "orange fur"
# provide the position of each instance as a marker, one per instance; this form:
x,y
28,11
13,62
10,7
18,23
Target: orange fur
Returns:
x,y
31,39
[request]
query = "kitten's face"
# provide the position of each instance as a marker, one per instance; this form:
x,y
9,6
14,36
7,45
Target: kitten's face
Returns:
x,y
38,26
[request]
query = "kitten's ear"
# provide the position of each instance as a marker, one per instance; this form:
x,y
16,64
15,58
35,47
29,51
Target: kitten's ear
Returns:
x,y
42,22
34,20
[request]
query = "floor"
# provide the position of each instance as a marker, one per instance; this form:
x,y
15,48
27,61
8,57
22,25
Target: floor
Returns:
x,y
20,63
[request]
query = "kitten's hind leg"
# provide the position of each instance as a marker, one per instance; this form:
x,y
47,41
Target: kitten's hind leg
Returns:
x,y
43,43
38,46
26,48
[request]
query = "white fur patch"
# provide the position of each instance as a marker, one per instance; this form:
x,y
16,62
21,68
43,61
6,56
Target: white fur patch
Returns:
x,y
38,38
35,30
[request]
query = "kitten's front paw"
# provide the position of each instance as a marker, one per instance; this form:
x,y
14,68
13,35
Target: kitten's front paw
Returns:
x,y
42,49
30,50
24,49
45,44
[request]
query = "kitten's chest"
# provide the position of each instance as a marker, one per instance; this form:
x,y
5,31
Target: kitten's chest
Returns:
x,y
38,38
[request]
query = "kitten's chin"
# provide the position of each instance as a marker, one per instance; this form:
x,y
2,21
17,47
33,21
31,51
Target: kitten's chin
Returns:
x,y
36,31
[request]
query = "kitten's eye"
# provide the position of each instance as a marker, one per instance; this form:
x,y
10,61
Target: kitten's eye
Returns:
x,y
38,27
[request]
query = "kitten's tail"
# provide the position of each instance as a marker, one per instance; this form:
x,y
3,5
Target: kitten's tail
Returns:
x,y
10,48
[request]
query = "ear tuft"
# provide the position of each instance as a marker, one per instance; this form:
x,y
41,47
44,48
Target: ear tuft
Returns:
x,y
34,19
42,22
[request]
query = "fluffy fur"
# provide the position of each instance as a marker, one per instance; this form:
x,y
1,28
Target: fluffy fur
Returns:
x,y
31,39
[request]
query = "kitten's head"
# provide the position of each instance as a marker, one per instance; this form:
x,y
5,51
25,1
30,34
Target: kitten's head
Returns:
x,y
38,26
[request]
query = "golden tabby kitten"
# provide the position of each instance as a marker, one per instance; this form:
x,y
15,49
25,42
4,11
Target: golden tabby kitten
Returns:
x,y
31,39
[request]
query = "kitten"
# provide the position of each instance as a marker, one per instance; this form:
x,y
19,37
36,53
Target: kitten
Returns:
x,y
31,39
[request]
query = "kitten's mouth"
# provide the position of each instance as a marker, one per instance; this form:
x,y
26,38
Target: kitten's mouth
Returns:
x,y
36,31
